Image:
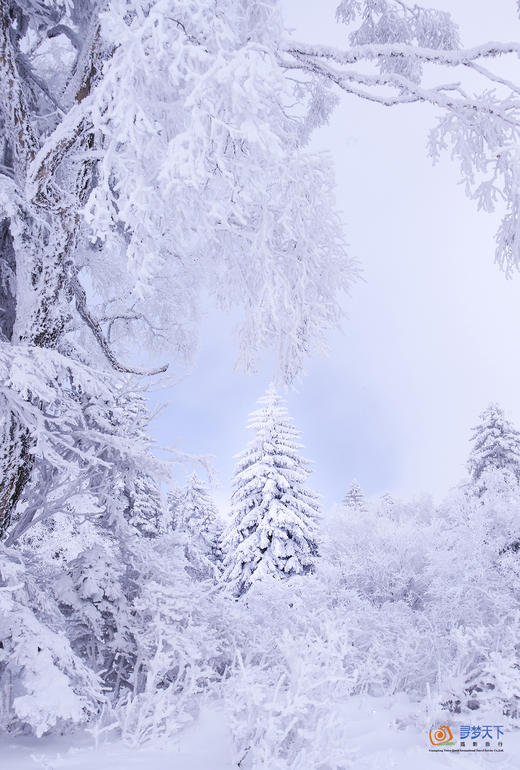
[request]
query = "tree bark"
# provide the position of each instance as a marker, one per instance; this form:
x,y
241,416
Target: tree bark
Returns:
x,y
44,235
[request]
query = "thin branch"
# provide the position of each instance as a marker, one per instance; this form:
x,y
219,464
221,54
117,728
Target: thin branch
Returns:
x,y
95,328
340,81
131,316
491,76
408,90
192,39
402,50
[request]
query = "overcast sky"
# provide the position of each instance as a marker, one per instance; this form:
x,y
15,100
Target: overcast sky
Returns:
x,y
432,333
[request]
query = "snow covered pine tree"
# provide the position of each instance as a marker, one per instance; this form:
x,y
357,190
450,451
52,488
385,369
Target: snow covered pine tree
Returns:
x,y
496,447
354,500
274,527
198,520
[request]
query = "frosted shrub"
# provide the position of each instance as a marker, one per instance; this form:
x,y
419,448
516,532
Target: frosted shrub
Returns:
x,y
183,647
43,683
382,557
288,680
482,668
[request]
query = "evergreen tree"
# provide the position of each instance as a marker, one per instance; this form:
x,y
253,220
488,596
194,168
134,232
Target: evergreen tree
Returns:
x,y
145,506
173,502
355,498
198,519
274,514
496,446
386,506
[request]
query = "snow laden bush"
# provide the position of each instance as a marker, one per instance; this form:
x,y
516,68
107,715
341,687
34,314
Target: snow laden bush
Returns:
x,y
474,582
300,655
381,551
288,678
44,684
183,649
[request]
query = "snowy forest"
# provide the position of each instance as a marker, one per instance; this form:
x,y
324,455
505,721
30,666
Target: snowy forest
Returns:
x,y
157,159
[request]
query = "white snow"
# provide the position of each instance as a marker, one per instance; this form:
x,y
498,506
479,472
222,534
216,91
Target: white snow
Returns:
x,y
377,743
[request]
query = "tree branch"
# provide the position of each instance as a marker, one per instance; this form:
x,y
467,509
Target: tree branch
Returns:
x,y
407,90
403,50
95,328
62,29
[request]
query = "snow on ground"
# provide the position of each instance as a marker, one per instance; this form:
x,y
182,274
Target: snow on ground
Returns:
x,y
377,744
205,745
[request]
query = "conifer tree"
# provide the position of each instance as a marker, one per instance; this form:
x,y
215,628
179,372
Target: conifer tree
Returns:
x,y
145,511
386,506
355,498
197,518
496,446
273,531
173,502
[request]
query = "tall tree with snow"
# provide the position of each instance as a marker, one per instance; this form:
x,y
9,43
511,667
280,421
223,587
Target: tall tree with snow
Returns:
x,y
496,446
93,266
274,527
113,116
354,500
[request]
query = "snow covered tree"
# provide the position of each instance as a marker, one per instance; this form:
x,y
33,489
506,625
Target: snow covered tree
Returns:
x,y
199,520
274,527
354,500
113,116
386,506
44,683
145,510
93,265
172,508
496,446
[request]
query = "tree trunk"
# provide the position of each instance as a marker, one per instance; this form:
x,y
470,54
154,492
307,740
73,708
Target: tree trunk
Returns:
x,y
44,235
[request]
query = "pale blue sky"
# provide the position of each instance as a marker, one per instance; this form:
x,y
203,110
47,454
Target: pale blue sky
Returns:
x,y
432,331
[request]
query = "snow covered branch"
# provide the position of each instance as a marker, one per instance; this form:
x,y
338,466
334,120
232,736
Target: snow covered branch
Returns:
x,y
395,53
95,327
376,51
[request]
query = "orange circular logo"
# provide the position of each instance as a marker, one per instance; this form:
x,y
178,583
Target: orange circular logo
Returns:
x,y
441,735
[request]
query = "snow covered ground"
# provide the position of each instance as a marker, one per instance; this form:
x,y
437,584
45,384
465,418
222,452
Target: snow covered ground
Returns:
x,y
205,745
377,744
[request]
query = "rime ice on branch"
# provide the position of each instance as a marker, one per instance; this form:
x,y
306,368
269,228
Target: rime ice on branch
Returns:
x,y
391,47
